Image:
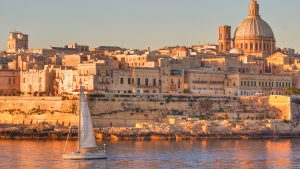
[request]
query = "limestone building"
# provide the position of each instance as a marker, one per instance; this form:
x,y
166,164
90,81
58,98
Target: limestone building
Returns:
x,y
67,80
37,81
205,81
17,42
136,80
238,84
136,60
96,76
73,60
9,82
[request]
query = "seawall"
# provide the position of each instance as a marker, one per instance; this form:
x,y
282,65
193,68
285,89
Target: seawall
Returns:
x,y
119,110
33,110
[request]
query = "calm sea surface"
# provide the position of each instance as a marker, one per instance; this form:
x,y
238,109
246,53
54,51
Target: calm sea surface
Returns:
x,y
211,153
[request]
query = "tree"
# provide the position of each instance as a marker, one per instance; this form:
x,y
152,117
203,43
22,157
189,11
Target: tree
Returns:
x,y
186,91
291,91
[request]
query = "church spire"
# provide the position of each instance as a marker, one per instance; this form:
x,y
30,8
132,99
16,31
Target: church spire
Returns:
x,y
254,8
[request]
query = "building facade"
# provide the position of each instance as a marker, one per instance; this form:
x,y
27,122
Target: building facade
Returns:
x,y
136,80
17,42
205,81
9,82
37,82
256,84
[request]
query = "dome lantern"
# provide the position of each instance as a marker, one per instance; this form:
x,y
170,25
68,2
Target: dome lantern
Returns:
x,y
254,8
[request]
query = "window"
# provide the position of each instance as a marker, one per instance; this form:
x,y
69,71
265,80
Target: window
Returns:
x,y
138,81
129,80
154,82
146,81
9,81
40,80
121,80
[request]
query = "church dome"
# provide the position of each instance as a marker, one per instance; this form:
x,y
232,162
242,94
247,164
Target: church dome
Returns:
x,y
236,51
254,35
254,25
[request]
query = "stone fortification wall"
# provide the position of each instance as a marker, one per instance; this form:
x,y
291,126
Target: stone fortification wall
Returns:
x,y
283,104
295,108
32,110
126,110
121,110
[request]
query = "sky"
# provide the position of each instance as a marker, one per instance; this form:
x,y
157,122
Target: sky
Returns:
x,y
140,23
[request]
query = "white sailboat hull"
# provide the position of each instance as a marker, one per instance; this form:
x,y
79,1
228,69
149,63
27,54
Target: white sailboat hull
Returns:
x,y
84,156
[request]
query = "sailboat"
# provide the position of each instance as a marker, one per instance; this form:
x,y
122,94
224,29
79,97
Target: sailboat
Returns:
x,y
87,147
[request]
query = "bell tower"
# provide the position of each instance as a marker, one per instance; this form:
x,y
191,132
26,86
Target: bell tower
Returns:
x,y
224,38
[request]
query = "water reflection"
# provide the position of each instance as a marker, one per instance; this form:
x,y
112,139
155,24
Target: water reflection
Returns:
x,y
207,153
279,154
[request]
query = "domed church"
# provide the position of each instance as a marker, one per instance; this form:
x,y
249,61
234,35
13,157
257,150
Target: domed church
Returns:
x,y
253,35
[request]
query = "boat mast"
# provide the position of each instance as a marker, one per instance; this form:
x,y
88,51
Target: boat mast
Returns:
x,y
79,123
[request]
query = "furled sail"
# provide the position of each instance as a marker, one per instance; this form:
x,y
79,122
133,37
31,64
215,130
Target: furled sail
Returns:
x,y
87,135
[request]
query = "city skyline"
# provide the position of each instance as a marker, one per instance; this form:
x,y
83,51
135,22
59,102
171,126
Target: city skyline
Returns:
x,y
139,24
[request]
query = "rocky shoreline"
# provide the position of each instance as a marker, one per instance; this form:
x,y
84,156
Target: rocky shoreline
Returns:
x,y
202,129
37,131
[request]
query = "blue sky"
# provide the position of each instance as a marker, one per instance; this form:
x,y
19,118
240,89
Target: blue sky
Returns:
x,y
140,23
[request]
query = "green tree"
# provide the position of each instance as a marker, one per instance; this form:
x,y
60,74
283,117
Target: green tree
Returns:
x,y
291,91
186,91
